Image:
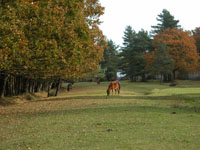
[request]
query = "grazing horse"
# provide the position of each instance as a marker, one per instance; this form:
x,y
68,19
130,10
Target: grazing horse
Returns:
x,y
115,85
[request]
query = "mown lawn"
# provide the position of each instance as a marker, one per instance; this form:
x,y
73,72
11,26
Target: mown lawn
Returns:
x,y
146,116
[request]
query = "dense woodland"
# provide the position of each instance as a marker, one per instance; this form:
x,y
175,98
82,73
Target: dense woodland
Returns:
x,y
43,43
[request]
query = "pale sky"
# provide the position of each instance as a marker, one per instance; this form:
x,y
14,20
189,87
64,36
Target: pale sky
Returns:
x,y
141,14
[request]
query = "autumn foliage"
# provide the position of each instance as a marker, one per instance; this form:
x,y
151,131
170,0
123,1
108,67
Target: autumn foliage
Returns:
x,y
182,49
48,41
196,35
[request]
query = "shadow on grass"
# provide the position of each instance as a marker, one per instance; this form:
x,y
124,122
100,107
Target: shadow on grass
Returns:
x,y
188,96
6,103
181,97
120,108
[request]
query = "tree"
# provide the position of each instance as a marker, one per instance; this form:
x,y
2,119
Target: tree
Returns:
x,y
49,41
196,35
163,64
166,21
111,60
129,36
142,44
135,46
182,50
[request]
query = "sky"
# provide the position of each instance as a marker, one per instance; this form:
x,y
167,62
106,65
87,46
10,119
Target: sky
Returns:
x,y
142,14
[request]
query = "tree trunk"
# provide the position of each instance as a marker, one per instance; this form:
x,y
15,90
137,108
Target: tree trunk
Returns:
x,y
174,74
144,78
57,88
39,86
4,86
27,86
12,85
161,78
170,77
49,87
33,86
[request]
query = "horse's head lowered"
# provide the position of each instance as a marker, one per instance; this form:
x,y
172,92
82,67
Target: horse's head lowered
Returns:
x,y
113,86
108,92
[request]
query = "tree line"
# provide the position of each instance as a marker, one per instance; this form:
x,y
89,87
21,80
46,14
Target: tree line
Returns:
x,y
167,51
45,42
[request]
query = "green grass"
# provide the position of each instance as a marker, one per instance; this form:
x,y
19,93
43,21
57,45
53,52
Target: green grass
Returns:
x,y
146,116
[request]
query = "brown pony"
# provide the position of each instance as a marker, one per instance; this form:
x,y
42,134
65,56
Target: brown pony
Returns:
x,y
113,86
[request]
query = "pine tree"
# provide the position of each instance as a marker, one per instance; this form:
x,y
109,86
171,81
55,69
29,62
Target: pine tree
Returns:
x,y
111,60
135,46
129,37
166,21
163,64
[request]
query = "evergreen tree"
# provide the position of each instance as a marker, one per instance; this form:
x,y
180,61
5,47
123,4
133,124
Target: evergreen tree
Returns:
x,y
166,21
142,44
133,61
129,37
163,64
111,60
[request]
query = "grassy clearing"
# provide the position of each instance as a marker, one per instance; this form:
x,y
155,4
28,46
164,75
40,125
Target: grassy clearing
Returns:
x,y
145,116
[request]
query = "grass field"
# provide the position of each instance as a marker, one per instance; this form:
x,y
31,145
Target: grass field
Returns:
x,y
146,116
